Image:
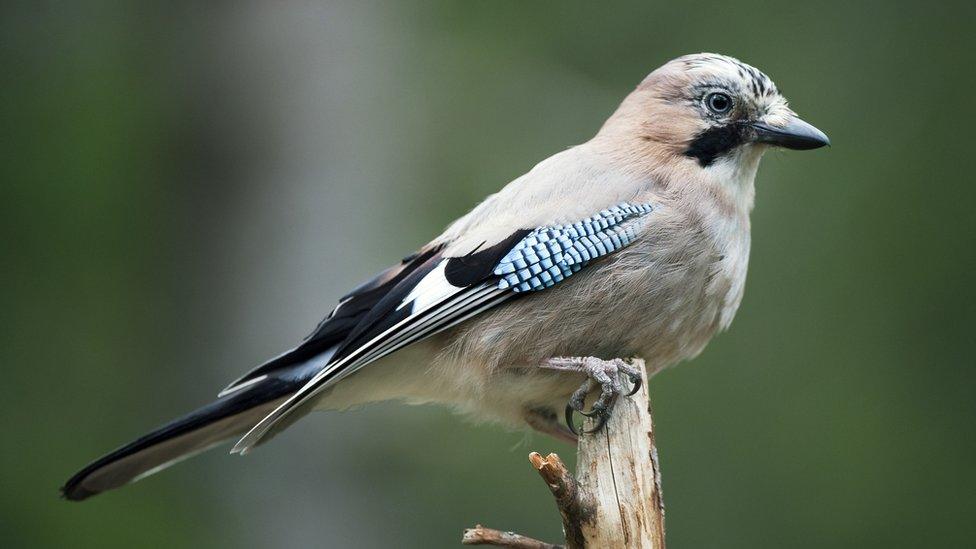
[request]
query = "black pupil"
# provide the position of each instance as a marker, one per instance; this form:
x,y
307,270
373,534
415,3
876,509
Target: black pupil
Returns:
x,y
719,102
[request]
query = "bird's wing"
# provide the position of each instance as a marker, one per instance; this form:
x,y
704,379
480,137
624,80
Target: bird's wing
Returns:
x,y
343,320
439,292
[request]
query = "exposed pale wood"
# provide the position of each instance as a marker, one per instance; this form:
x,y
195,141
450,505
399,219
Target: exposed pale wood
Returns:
x,y
573,508
618,468
479,535
615,500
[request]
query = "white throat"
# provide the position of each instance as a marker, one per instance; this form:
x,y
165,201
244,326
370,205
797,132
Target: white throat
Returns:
x,y
734,176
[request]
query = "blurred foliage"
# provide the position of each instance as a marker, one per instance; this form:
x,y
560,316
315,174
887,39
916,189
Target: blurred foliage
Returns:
x,y
182,187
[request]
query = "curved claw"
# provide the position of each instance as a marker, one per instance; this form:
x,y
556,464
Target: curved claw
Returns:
x,y
601,414
569,419
594,412
599,424
638,383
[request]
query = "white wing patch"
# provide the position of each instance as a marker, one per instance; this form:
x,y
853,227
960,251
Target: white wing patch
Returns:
x,y
430,290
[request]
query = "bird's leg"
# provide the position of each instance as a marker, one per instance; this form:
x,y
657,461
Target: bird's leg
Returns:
x,y
545,420
606,374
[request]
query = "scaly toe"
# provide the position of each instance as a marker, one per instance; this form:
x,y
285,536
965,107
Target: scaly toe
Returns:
x,y
594,412
601,421
632,373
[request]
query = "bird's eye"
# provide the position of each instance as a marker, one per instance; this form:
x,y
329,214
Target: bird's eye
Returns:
x,y
718,103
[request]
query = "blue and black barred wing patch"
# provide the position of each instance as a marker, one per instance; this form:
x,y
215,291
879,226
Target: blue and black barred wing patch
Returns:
x,y
549,255
445,291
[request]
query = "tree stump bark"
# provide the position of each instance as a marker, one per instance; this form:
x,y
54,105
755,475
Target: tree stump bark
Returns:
x,y
615,500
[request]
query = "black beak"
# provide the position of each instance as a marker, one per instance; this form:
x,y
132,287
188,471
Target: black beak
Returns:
x,y
796,134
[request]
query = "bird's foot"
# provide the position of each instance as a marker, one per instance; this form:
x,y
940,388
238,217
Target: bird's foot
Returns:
x,y
602,373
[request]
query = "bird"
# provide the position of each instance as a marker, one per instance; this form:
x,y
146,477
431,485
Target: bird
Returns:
x,y
632,244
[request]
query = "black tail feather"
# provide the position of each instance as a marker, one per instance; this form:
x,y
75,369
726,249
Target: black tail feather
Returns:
x,y
204,428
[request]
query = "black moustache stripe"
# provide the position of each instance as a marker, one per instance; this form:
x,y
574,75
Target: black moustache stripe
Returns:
x,y
714,143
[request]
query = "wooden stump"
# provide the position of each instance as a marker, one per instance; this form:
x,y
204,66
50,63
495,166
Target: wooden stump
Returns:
x,y
615,500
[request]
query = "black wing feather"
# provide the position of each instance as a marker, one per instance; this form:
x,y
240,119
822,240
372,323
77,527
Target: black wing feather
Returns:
x,y
344,319
386,312
477,266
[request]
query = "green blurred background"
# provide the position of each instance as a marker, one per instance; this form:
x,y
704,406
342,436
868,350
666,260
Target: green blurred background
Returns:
x,y
187,189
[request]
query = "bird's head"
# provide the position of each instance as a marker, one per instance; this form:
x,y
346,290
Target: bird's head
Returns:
x,y
709,113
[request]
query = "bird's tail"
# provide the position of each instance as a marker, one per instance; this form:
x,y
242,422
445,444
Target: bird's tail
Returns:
x,y
226,417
